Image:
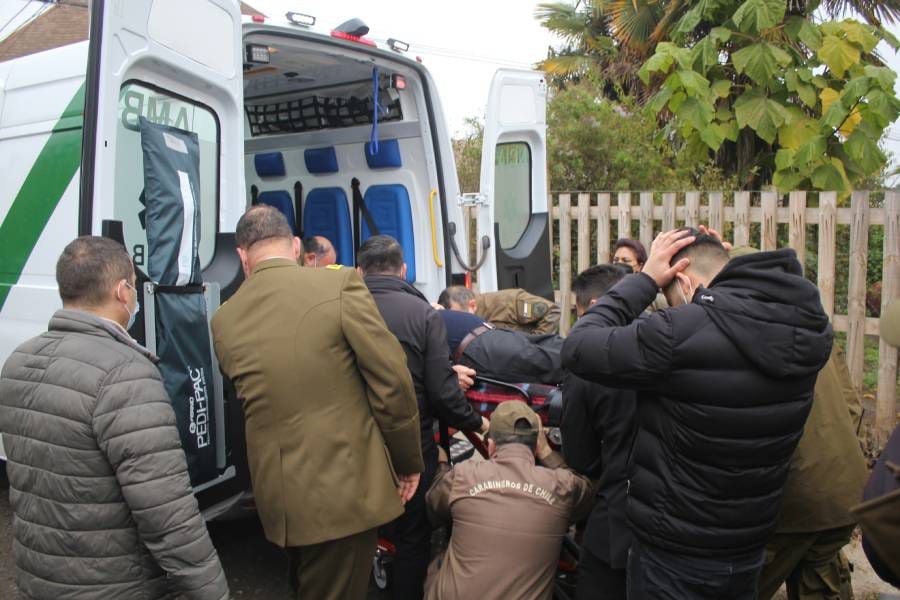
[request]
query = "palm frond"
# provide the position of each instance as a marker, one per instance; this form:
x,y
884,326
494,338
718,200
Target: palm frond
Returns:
x,y
875,12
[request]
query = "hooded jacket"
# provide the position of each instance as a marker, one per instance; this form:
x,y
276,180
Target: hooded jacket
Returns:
x,y
102,503
724,383
421,332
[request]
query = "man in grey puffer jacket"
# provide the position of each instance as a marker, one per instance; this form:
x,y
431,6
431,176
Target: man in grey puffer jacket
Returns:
x,y
102,502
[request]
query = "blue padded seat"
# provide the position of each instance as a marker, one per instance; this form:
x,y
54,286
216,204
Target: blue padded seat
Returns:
x,y
281,200
269,164
327,213
320,160
388,155
391,211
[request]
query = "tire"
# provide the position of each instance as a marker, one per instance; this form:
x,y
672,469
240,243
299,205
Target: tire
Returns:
x,y
381,572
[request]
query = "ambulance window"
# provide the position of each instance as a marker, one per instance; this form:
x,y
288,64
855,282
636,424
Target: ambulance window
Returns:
x,y
158,106
512,191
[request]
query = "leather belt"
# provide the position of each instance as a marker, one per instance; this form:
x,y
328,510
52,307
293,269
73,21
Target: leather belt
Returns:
x,y
468,340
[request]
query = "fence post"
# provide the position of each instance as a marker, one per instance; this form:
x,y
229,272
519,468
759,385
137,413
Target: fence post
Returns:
x,y
797,228
827,235
741,219
603,224
692,209
584,231
886,401
716,212
565,262
769,236
646,219
856,290
624,214
668,221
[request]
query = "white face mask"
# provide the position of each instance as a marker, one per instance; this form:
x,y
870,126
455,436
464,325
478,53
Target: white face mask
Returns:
x,y
137,307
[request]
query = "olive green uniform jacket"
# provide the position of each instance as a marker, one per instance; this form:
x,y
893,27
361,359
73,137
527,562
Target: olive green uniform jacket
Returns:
x,y
518,310
329,406
828,471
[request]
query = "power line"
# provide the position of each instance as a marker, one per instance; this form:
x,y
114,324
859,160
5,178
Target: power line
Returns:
x,y
15,16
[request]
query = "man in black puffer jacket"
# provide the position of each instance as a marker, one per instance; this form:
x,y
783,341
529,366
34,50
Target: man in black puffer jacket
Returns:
x,y
420,330
725,382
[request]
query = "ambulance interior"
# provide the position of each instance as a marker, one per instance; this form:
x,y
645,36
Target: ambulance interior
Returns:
x,y
312,141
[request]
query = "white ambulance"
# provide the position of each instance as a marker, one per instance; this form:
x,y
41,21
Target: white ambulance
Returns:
x,y
312,122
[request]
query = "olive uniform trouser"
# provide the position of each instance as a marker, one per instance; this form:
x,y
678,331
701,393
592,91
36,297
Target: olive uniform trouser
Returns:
x,y
811,564
333,570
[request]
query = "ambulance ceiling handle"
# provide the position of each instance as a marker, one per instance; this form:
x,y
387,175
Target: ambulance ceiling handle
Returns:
x,y
485,246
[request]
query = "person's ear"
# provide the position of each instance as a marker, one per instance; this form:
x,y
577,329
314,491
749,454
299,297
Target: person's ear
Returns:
x,y
403,271
360,272
297,247
472,306
245,263
491,447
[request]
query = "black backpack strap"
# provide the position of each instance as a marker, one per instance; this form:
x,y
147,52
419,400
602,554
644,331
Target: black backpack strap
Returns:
x,y
298,207
360,208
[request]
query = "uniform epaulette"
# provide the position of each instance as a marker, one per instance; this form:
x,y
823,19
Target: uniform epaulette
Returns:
x,y
335,267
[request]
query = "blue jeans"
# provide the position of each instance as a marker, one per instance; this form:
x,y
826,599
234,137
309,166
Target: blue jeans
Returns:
x,y
654,574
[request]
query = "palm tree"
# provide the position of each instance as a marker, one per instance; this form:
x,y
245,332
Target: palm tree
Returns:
x,y
876,12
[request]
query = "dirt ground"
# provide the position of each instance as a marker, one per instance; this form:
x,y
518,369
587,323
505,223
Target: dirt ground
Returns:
x,y
256,569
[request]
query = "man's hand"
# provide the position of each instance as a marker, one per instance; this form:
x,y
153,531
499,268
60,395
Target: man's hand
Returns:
x,y
485,425
442,455
715,234
408,485
665,246
543,449
466,376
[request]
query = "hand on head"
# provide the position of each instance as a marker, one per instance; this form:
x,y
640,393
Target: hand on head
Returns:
x,y
665,246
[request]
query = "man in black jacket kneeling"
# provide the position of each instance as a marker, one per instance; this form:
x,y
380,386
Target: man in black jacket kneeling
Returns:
x,y
724,383
421,332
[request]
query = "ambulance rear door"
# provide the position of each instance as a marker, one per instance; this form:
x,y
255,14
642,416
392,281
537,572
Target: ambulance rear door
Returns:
x,y
512,204
175,65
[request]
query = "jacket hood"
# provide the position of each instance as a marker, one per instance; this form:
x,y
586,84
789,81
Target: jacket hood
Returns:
x,y
771,312
80,321
392,283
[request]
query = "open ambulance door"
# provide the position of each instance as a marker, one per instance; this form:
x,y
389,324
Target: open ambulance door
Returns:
x,y
164,88
512,207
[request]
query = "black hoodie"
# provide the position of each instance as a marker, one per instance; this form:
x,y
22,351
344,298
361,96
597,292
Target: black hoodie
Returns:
x,y
725,384
421,332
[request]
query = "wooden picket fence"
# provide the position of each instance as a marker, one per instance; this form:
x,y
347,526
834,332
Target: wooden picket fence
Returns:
x,y
642,215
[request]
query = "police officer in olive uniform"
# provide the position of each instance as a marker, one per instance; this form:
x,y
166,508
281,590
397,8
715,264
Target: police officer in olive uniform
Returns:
x,y
826,477
331,420
513,309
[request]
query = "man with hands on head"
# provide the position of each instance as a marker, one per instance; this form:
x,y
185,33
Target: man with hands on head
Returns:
x,y
724,382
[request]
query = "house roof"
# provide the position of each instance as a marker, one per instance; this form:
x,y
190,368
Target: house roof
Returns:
x,y
63,23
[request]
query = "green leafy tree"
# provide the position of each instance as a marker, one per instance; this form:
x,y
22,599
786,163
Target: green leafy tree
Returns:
x,y
775,95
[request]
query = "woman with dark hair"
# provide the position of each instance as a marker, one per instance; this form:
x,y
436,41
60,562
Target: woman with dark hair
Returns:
x,y
630,253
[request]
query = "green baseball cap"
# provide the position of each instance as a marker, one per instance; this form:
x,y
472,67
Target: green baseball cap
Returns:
x,y
514,417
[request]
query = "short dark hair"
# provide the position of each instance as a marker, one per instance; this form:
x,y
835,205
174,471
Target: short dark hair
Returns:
x,y
529,439
311,244
456,294
706,253
595,281
380,254
261,223
88,267
638,248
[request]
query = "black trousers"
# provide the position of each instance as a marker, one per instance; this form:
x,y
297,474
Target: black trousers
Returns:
x,y
597,580
411,535
656,573
333,570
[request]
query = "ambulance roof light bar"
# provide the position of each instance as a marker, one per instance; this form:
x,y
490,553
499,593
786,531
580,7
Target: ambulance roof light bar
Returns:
x,y
353,30
301,19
